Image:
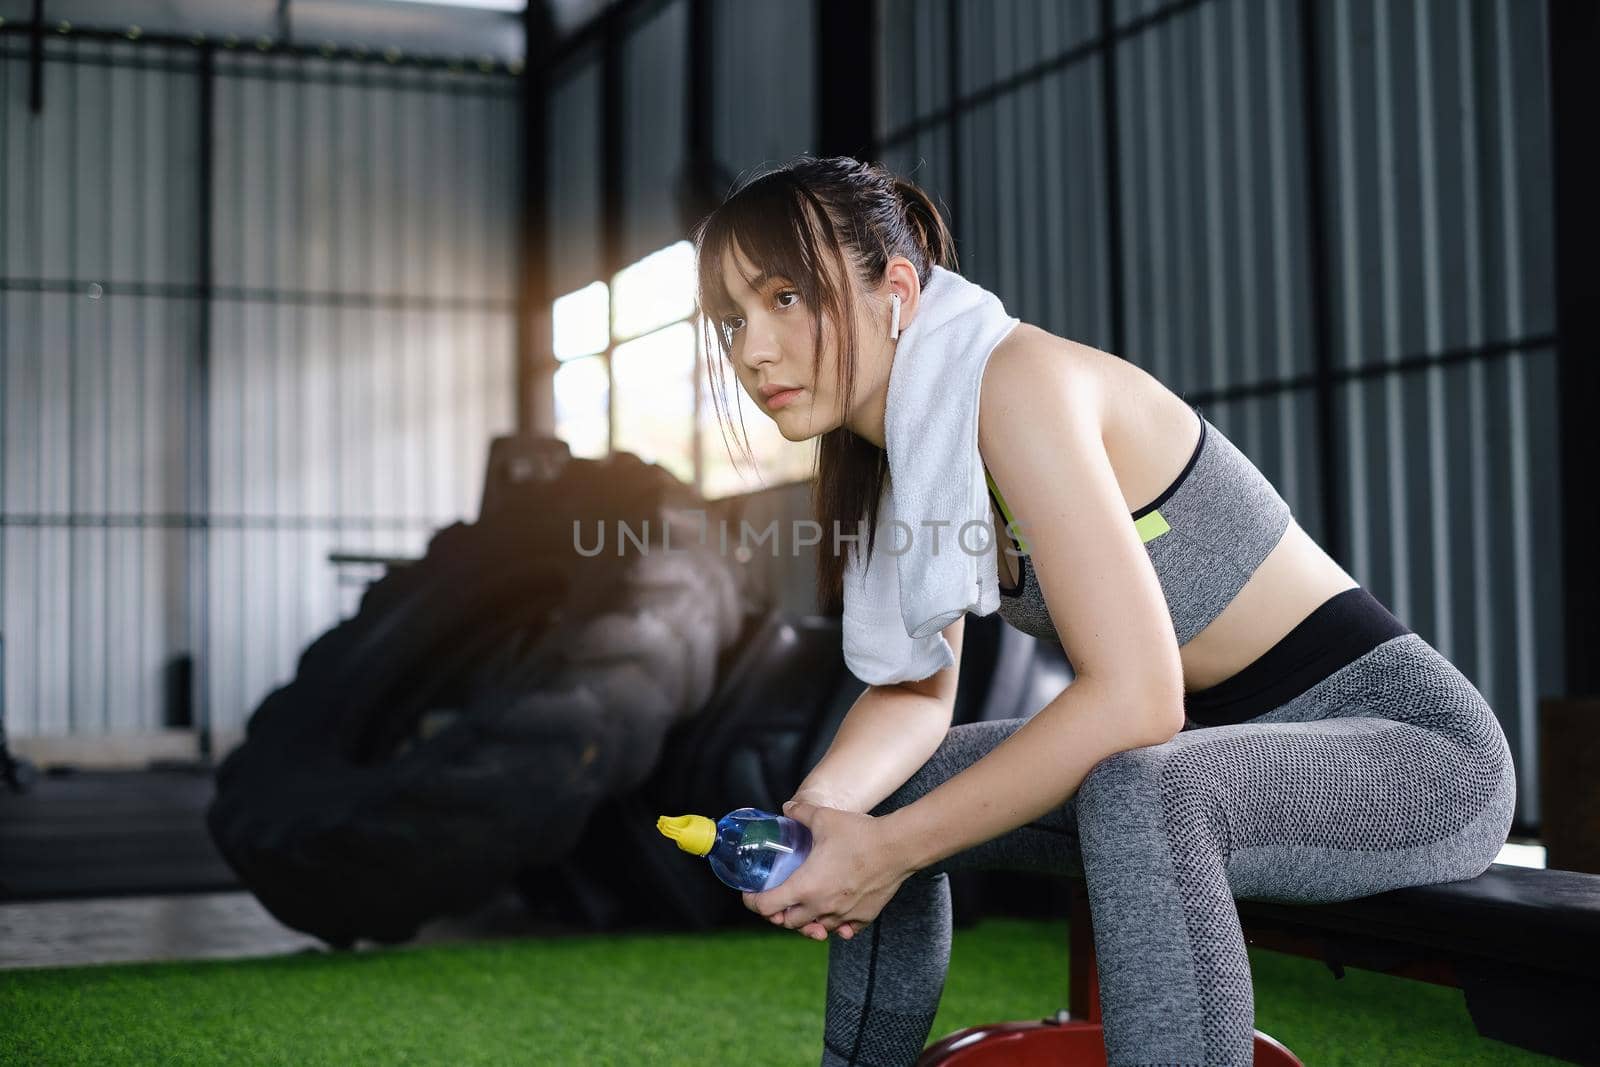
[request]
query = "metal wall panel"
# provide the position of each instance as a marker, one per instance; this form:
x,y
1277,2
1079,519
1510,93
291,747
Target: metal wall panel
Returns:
x,y
95,327
763,99
1028,215
573,163
655,79
1429,402
913,62
1439,205
357,362
1210,105
1003,40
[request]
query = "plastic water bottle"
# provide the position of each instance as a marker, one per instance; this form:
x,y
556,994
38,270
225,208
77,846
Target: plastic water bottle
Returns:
x,y
749,849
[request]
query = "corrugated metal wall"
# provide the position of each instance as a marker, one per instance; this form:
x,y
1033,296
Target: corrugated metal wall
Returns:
x,y
195,415
763,100
1178,206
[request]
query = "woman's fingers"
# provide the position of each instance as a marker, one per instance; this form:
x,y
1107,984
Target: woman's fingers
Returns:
x,y
819,932
814,930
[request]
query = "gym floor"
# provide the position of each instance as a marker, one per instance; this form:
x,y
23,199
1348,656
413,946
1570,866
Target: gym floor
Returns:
x,y
229,924
117,867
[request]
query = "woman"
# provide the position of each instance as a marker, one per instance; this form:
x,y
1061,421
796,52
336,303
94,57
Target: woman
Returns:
x,y
1245,719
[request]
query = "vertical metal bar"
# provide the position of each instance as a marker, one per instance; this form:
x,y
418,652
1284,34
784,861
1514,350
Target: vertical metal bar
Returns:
x,y
1279,55
1108,116
1440,534
1393,444
460,245
199,488
69,123
846,74
1574,41
1518,513
428,214
951,28
1161,135
365,89
1470,37
1352,318
399,315
33,219
535,349
1017,261
36,59
237,266
336,317
702,166
5,354
1312,121
296,85
272,350
480,106
107,425
611,192
147,716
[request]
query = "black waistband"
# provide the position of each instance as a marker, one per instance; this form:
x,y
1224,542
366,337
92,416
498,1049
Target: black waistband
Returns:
x,y
1343,628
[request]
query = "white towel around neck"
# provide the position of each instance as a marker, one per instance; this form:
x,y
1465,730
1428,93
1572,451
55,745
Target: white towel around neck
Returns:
x,y
896,608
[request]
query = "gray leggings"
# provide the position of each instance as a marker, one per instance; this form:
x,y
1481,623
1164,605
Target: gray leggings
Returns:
x,y
1392,771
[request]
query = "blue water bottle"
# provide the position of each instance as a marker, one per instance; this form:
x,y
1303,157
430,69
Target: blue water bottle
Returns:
x,y
749,849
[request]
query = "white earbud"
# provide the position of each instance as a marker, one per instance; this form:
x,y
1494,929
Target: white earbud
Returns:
x,y
894,319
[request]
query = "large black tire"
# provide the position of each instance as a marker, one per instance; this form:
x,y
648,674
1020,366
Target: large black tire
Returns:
x,y
466,721
784,690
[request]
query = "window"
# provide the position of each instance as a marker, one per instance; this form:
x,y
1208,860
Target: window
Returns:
x,y
582,386
632,372
654,410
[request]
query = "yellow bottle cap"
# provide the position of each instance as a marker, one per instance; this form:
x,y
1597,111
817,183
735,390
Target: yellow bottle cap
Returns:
x,y
693,833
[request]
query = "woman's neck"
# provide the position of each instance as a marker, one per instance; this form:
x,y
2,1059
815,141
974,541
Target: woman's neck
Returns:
x,y
867,420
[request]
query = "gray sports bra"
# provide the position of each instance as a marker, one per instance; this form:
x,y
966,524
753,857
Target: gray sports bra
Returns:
x,y
1206,534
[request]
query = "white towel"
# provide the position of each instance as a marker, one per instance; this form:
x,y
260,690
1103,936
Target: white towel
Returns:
x,y
896,608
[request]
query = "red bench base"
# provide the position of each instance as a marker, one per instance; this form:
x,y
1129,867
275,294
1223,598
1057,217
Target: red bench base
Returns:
x,y
1052,1043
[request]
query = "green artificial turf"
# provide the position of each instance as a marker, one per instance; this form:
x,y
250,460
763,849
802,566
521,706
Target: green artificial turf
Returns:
x,y
730,997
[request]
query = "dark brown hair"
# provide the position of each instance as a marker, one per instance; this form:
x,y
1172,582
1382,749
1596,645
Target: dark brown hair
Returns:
x,y
813,222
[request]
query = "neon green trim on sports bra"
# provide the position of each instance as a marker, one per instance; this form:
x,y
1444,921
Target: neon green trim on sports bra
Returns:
x,y
1150,525
1004,510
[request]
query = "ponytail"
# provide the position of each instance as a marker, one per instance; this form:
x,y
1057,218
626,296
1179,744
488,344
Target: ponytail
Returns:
x,y
925,222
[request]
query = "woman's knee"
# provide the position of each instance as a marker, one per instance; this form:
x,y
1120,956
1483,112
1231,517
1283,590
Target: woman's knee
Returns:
x,y
1166,790
1120,780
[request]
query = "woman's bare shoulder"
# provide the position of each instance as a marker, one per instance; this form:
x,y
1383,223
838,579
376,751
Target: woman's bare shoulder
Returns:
x,y
1031,358
1028,343
1028,363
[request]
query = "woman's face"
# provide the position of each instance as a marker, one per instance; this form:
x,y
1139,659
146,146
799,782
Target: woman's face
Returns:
x,y
770,340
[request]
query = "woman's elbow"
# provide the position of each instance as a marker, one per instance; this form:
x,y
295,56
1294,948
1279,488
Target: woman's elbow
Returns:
x,y
1169,714
1157,709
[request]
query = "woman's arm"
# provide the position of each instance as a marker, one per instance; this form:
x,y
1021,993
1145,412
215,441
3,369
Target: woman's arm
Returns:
x,y
1031,772
888,733
1042,415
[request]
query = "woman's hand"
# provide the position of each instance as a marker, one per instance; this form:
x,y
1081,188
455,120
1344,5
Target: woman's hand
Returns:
x,y
816,930
848,878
